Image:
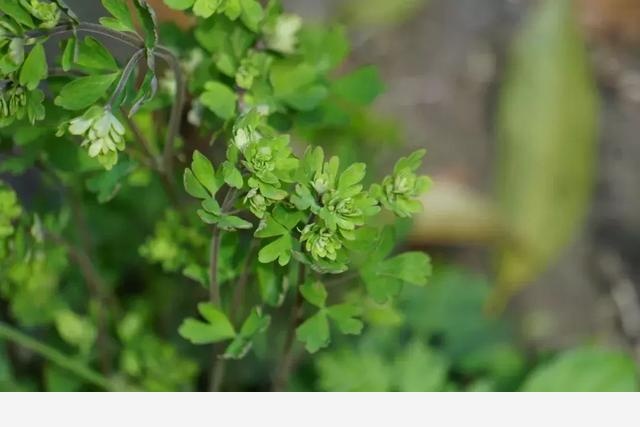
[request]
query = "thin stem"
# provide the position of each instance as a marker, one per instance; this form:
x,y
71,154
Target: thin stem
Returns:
x,y
11,334
286,365
126,74
241,285
214,286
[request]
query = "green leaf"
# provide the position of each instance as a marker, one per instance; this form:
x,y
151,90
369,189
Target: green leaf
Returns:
x,y
84,91
273,284
279,249
216,328
206,8
314,332
34,69
344,315
204,172
193,186
384,280
179,4
410,267
17,12
67,54
547,134
585,370
348,371
147,18
255,324
220,99
76,330
230,223
361,87
252,14
107,184
92,54
353,175
232,175
121,13
420,369
315,293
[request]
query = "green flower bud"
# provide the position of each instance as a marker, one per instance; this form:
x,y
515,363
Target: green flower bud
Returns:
x,y
258,204
282,34
321,242
47,13
103,134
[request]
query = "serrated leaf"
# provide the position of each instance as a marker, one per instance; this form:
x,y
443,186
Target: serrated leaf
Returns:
x,y
34,69
314,332
353,175
121,13
410,267
547,134
220,99
84,91
314,293
279,249
344,316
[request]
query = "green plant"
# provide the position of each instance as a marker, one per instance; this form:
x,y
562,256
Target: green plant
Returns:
x,y
277,233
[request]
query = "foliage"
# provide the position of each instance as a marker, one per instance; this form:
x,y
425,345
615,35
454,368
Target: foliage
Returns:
x,y
447,344
106,249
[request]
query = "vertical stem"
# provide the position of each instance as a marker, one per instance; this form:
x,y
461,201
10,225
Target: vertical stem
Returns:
x,y
286,364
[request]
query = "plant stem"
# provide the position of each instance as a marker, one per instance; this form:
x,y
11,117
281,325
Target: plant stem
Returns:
x,y
11,334
126,74
286,365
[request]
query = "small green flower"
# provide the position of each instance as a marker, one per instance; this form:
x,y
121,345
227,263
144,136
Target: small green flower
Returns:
x,y
399,191
17,102
258,204
47,13
102,132
321,242
282,34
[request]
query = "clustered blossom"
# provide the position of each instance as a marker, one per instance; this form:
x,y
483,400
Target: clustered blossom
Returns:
x,y
321,242
399,191
103,134
47,13
17,102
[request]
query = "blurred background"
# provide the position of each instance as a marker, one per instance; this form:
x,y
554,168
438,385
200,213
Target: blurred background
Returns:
x,y
530,112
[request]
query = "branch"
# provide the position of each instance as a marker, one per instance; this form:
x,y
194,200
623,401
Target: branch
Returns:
x,y
11,334
286,365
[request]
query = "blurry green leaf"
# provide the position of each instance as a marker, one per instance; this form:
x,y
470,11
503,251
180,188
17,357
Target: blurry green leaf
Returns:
x,y
361,87
216,328
344,316
76,330
220,99
420,369
107,184
17,12
34,69
272,283
255,324
204,172
84,91
547,121
385,279
350,371
314,293
585,370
